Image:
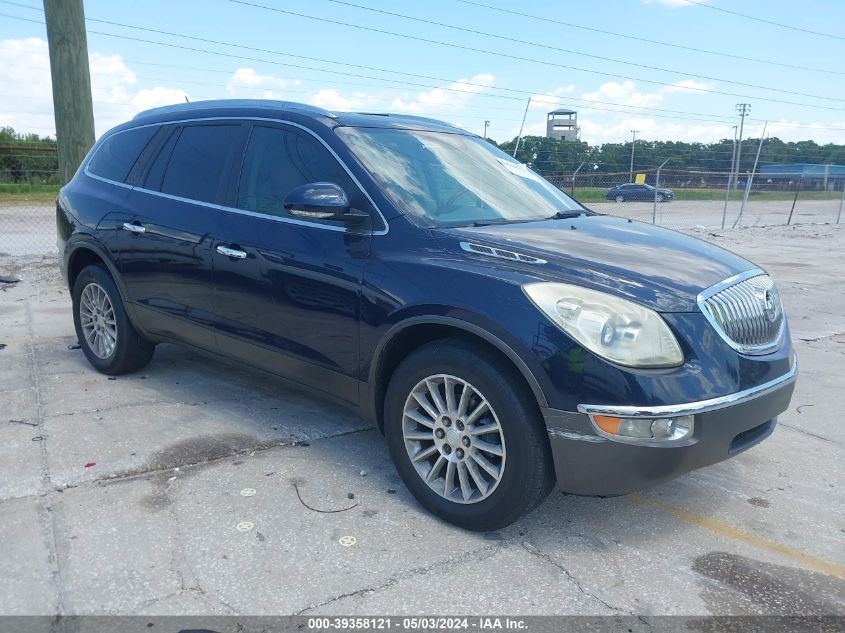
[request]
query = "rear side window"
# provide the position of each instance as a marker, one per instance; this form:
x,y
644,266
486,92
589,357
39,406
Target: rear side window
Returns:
x,y
118,153
198,161
277,161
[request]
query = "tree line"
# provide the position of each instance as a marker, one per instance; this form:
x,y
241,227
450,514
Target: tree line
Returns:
x,y
31,159
27,158
549,156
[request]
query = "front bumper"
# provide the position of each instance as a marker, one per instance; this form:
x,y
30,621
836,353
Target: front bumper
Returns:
x,y
587,463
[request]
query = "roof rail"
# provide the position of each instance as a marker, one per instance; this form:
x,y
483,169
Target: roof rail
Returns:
x,y
233,103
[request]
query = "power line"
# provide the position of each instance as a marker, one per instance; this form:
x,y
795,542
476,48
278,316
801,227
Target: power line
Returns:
x,y
546,62
648,40
539,45
650,111
764,20
365,67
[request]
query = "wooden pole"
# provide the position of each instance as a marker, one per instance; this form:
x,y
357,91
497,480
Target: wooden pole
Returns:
x,y
72,105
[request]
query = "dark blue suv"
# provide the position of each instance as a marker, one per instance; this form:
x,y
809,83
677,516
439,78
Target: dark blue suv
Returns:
x,y
502,336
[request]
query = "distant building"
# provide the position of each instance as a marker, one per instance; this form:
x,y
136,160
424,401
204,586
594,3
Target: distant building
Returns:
x,y
812,176
562,125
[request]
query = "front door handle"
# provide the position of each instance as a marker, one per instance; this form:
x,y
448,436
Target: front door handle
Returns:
x,y
231,252
134,228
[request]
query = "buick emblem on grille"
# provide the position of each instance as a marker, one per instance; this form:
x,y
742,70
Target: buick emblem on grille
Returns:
x,y
770,305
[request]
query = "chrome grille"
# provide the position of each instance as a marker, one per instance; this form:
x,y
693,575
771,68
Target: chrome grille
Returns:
x,y
746,312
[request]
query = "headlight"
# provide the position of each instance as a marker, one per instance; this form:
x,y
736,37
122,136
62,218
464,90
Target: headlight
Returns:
x,y
615,329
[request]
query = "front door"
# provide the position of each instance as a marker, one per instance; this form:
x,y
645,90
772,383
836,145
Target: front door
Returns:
x,y
287,291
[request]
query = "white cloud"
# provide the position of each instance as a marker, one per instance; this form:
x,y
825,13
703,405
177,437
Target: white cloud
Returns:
x,y
246,83
25,65
331,99
158,96
452,97
623,94
552,99
25,74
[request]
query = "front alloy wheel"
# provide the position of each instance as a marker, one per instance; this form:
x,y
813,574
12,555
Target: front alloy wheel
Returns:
x,y
465,433
620,198
454,439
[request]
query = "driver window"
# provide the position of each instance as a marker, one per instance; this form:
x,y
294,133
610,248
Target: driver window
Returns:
x,y
277,161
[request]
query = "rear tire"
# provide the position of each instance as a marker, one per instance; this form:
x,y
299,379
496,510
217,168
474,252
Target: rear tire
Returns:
x,y
107,338
501,457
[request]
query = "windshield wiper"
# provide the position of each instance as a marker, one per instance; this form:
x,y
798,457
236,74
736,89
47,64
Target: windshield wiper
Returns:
x,y
564,215
489,222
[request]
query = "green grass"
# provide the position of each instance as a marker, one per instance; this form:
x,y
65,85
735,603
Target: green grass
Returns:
x,y
23,195
599,194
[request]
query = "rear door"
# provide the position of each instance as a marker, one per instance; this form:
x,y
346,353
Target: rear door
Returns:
x,y
165,255
289,303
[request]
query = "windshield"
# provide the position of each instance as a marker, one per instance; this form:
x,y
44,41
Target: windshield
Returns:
x,y
452,179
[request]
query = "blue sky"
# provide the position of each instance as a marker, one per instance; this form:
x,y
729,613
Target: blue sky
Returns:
x,y
678,98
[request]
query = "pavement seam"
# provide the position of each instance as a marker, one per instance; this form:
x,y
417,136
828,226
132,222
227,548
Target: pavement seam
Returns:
x,y
535,551
121,477
50,516
475,555
803,432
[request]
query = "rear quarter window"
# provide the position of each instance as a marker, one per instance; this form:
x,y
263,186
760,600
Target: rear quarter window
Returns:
x,y
117,154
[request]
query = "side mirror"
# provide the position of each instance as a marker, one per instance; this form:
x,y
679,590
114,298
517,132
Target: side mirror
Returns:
x,y
321,201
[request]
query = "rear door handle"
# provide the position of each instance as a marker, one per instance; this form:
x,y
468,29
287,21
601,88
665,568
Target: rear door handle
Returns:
x,y
134,228
231,252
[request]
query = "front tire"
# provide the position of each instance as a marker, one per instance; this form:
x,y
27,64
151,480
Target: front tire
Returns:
x,y
107,338
465,434
620,198
659,197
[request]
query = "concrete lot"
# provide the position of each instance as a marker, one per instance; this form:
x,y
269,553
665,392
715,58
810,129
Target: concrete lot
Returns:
x,y
126,496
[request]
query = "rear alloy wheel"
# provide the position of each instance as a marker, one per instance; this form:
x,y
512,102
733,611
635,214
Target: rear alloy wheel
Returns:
x,y
465,433
96,318
620,198
107,337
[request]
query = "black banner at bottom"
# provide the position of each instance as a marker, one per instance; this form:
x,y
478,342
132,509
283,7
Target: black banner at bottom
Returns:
x,y
422,623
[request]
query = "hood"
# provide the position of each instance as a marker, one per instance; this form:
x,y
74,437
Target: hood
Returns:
x,y
656,267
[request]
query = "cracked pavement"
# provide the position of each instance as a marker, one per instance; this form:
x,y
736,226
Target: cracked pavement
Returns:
x,y
125,496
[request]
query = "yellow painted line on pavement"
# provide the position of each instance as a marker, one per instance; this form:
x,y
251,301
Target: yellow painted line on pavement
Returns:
x,y
728,531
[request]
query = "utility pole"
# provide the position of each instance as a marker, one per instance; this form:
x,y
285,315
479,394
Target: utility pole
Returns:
x,y
743,109
72,106
633,142
486,124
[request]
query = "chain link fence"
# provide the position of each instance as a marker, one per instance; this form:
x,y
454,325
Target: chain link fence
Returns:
x,y
700,201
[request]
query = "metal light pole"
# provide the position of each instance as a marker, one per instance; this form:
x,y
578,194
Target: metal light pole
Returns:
x,y
730,178
633,143
519,138
750,177
486,124
572,190
744,109
656,189
841,200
